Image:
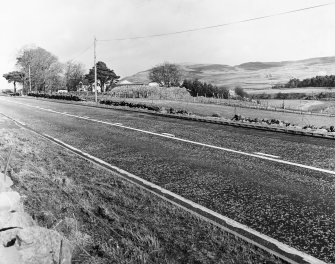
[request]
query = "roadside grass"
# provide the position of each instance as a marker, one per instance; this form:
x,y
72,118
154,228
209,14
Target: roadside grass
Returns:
x,y
108,219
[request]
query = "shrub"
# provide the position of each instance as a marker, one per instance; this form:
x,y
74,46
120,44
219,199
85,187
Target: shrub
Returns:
x,y
132,105
68,97
241,93
197,88
144,106
7,91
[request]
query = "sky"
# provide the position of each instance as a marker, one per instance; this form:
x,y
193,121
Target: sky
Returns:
x,y
67,28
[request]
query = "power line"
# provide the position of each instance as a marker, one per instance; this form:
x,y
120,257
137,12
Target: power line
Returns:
x,y
220,25
81,53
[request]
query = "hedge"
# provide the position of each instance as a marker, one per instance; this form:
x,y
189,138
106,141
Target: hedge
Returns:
x,y
68,97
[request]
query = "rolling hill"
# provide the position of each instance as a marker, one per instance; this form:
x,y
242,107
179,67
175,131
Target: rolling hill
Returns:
x,y
251,75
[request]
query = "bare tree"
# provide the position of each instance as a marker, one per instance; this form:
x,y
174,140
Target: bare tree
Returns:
x,y
166,74
74,74
46,70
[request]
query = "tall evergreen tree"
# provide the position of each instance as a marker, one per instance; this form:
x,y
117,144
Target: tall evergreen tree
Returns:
x,y
104,75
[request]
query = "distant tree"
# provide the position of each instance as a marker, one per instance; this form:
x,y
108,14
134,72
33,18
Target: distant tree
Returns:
x,y
104,75
74,75
14,77
46,70
198,88
317,81
166,74
240,92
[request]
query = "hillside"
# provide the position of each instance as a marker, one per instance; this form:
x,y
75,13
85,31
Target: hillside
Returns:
x,y
251,75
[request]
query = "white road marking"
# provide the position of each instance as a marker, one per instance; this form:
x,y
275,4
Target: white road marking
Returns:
x,y
193,142
267,155
20,122
169,135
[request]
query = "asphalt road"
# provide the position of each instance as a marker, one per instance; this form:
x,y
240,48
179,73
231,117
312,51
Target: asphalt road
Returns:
x,y
288,202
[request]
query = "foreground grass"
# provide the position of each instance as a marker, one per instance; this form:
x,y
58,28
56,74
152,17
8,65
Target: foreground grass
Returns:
x,y
109,220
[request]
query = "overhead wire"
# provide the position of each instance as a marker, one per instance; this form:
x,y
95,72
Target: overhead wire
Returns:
x,y
219,25
82,52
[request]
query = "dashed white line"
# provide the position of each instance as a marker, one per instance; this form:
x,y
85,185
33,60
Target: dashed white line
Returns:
x,y
267,155
194,142
169,135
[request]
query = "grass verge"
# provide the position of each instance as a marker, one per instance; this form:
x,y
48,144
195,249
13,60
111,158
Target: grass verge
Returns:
x,y
107,219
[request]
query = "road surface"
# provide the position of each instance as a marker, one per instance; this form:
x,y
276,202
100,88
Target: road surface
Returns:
x,y
281,185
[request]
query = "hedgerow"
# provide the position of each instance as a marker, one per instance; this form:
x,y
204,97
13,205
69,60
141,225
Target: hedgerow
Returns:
x,y
169,110
132,105
68,97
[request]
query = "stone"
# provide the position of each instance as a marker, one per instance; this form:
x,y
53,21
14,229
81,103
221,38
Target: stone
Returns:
x,y
9,255
10,201
38,245
5,183
321,130
15,219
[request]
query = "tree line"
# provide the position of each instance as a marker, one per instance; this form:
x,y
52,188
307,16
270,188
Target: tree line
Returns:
x,y
198,88
317,81
39,70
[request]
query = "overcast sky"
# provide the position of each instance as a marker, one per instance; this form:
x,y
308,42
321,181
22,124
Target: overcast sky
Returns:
x,y
67,27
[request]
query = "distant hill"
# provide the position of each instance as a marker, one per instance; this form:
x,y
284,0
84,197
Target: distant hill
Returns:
x,y
251,75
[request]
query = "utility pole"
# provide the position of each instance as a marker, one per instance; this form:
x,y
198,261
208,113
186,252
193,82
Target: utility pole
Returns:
x,y
29,79
95,70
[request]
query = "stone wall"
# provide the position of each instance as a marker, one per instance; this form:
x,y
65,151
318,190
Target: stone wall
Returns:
x,y
22,241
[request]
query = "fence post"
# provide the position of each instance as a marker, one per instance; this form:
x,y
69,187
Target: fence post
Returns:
x,y
7,163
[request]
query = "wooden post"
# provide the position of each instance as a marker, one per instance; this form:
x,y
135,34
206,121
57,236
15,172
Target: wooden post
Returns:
x,y
7,163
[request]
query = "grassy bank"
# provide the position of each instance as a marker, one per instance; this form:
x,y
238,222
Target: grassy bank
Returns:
x,y
107,219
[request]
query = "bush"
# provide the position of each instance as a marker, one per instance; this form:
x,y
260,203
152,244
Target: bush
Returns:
x,y
290,96
132,105
241,93
68,97
155,108
7,91
197,88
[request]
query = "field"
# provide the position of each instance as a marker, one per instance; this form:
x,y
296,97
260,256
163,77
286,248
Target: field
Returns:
x,y
215,107
228,108
107,219
315,106
307,90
